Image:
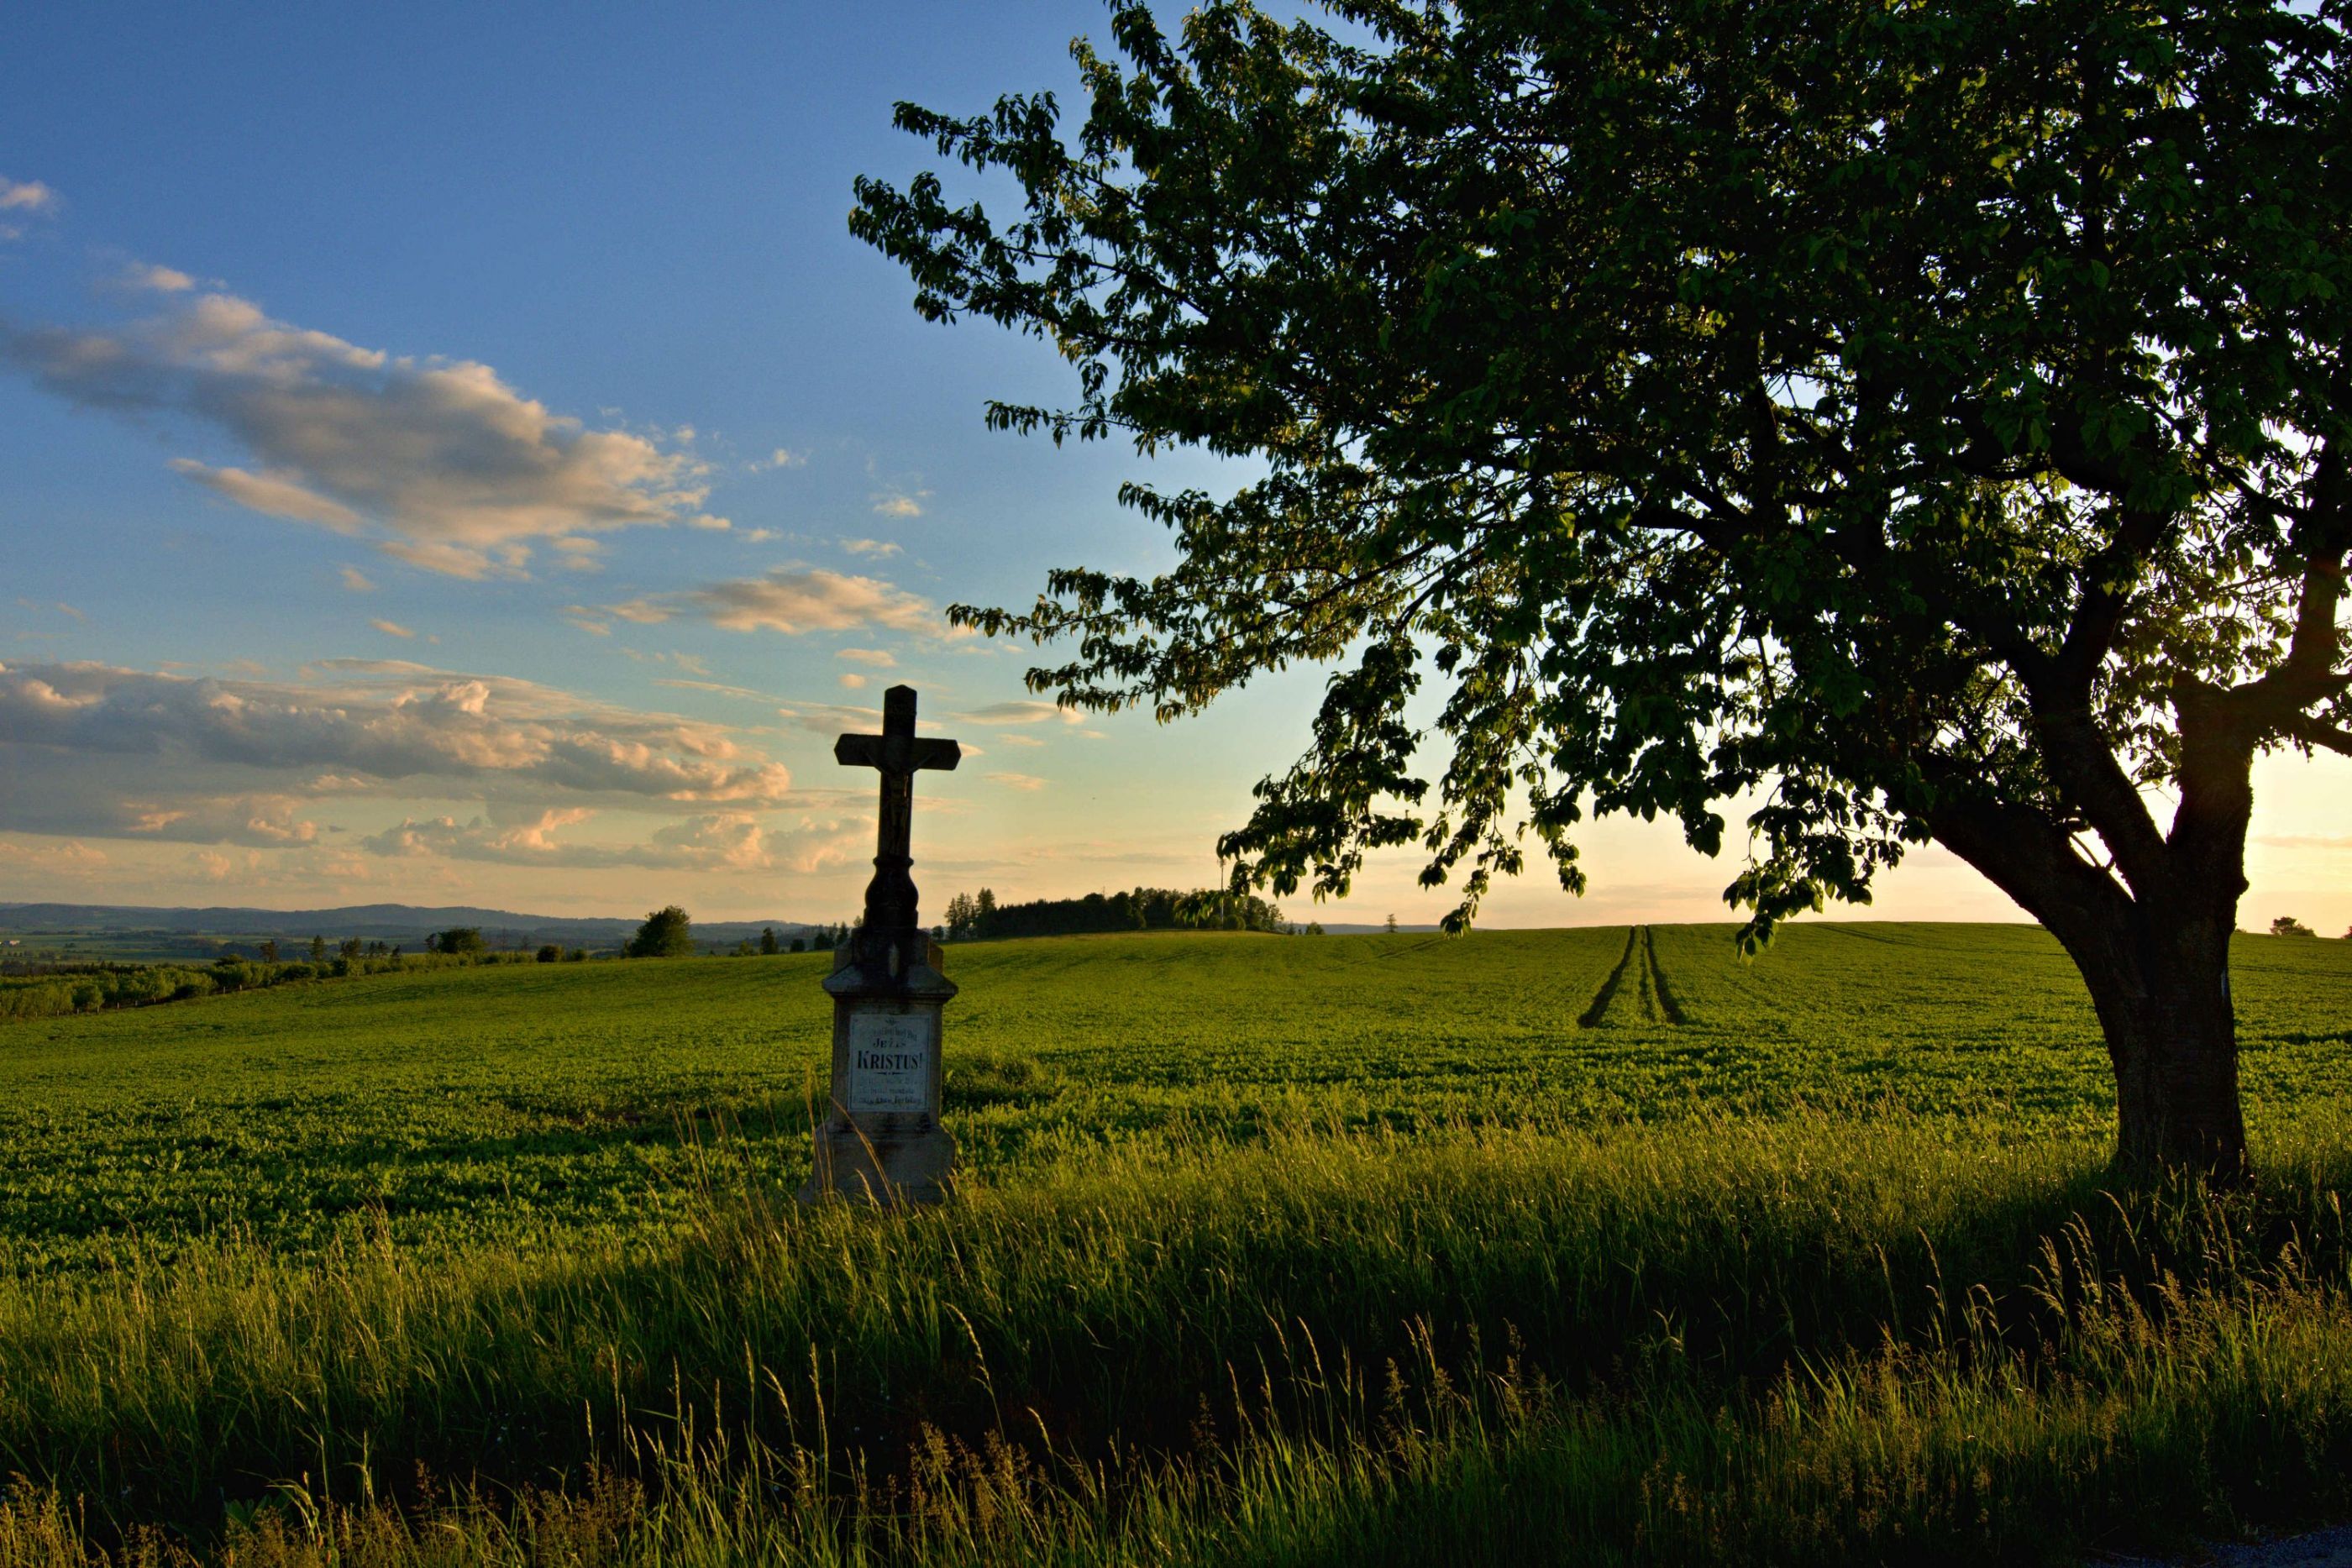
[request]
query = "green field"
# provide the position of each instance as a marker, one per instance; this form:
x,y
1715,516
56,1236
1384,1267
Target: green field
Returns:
x,y
1308,1250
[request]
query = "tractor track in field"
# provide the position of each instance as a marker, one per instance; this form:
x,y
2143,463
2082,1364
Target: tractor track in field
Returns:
x,y
1666,1009
1591,1016
1652,1000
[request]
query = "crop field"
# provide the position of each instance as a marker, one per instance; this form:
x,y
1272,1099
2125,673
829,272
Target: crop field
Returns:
x,y
1585,1245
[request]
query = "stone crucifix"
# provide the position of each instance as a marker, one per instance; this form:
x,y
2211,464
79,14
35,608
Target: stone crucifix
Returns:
x,y
882,1141
899,756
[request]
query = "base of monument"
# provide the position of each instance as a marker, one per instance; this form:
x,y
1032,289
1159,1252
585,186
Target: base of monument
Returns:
x,y
887,1168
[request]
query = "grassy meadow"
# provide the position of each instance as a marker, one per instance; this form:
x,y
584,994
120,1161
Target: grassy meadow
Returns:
x,y
1593,1245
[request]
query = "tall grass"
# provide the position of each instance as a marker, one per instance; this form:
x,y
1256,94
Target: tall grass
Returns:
x,y
1800,1340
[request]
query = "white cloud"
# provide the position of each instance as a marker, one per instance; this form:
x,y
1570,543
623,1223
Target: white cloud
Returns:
x,y
1016,738
161,280
873,657
869,547
392,629
25,197
900,505
1017,780
832,718
357,582
852,681
1021,713
790,603
578,552
782,457
276,495
447,466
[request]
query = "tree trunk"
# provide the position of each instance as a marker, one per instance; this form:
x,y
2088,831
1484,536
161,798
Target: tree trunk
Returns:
x,y
2158,965
2162,992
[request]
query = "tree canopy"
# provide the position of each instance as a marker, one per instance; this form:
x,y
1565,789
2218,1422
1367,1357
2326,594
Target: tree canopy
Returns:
x,y
1922,422
667,933
1723,399
457,939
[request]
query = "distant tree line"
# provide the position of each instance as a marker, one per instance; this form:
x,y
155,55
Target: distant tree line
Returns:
x,y
669,933
972,917
98,987
2288,925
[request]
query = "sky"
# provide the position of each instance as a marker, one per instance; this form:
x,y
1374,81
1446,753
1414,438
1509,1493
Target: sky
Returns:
x,y
458,454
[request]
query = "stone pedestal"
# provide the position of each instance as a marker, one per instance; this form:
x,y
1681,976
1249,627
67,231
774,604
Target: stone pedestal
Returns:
x,y
882,1141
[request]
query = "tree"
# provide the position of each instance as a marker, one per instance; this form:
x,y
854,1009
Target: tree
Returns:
x,y
317,949
458,939
768,943
960,916
1927,422
984,913
2288,925
269,949
1391,925
667,933
551,953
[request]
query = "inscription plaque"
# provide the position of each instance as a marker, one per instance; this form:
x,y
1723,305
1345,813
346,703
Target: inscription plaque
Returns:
x,y
889,1062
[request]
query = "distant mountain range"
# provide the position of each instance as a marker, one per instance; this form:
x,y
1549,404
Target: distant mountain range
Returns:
x,y
405,924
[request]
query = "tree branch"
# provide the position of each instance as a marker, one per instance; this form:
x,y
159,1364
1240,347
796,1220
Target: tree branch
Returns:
x,y
2309,674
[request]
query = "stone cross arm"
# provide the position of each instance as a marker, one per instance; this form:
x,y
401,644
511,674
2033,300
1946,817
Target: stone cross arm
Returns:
x,y
897,753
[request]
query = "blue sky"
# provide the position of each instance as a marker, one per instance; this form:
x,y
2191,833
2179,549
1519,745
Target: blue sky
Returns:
x,y
458,454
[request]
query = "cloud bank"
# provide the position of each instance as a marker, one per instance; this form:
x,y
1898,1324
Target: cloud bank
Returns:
x,y
99,750
439,460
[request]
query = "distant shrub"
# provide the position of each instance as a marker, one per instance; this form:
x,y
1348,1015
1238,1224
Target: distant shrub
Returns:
x,y
548,953
667,933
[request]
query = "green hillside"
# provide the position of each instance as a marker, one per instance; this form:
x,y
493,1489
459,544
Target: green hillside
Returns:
x,y
1352,1248
509,1099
